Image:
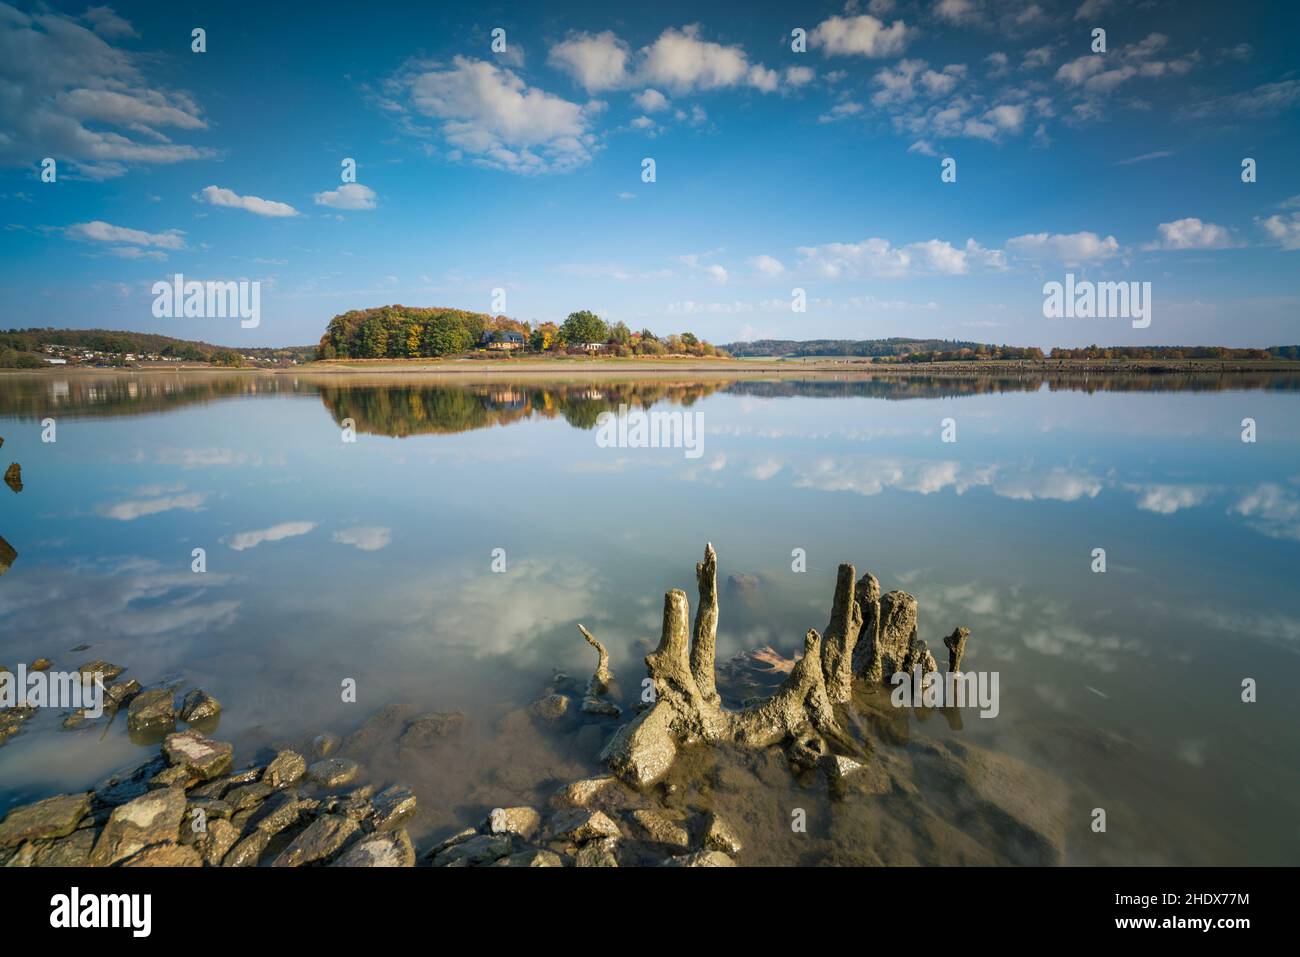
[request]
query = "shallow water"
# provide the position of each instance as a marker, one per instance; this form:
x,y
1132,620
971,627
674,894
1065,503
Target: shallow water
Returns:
x,y
373,560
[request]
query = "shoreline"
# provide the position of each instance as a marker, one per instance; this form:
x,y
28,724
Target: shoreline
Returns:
x,y
579,367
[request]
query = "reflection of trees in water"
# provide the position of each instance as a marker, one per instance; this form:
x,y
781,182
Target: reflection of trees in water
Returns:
x,y
403,406
414,409
36,396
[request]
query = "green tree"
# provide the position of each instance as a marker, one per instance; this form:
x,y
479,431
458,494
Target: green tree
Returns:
x,y
584,326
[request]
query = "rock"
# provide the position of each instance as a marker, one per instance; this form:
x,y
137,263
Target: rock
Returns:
x,y
520,821
288,767
532,857
807,751
377,732
8,555
154,818
597,704
123,786
211,807
392,806
839,768
100,667
719,836
116,695
150,711
14,477
919,656
51,818
282,810
323,745
221,837
10,724
605,790
71,851
322,839
386,849
333,772
841,637
551,708
174,777
198,754
596,854
40,664
166,855
427,730
248,851
477,850
580,825
701,859
642,751
459,837
659,829
199,706
246,796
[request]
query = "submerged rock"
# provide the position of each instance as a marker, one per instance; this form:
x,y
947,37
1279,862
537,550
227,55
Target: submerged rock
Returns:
x,y
323,745
473,851
199,706
719,836
333,772
14,477
427,730
551,708
658,828
99,666
531,857
51,818
520,821
580,825
701,859
151,711
8,555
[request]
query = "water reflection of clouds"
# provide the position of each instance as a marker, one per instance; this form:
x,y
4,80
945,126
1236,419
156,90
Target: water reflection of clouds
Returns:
x,y
133,598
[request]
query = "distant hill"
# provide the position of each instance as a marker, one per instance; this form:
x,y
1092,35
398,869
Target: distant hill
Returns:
x,y
946,350
26,348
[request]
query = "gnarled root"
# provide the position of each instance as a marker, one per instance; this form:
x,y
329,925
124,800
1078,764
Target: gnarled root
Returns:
x,y
687,707
602,679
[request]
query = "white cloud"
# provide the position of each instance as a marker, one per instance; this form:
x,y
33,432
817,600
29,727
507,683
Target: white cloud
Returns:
x,y
1058,485
366,538
67,92
652,101
218,196
1165,499
138,508
598,62
1191,233
102,232
862,35
347,196
1070,249
276,533
796,76
1283,229
956,11
1271,509
879,259
767,265
681,61
494,117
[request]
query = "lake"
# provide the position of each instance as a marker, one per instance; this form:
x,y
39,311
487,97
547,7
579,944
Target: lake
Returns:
x,y
446,556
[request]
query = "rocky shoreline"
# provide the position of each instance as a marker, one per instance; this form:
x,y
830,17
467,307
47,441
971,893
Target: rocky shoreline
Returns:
x,y
690,779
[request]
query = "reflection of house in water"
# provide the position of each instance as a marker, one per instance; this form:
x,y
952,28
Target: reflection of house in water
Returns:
x,y
506,399
593,394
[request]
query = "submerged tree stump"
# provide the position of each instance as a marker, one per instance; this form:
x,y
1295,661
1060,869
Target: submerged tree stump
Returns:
x,y
686,707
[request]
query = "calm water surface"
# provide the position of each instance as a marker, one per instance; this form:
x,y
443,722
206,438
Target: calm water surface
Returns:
x,y
373,561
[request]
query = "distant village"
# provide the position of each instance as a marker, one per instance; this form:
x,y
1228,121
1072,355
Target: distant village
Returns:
x,y
63,355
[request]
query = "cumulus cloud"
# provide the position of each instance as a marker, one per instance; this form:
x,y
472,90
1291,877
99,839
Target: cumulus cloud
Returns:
x,y
1165,499
652,101
879,259
1283,229
1058,485
1096,74
65,91
276,533
492,116
862,35
219,196
366,538
679,60
1191,233
1070,249
347,196
99,231
767,265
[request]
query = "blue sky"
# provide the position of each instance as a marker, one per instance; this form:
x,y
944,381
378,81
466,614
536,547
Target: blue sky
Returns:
x,y
775,170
